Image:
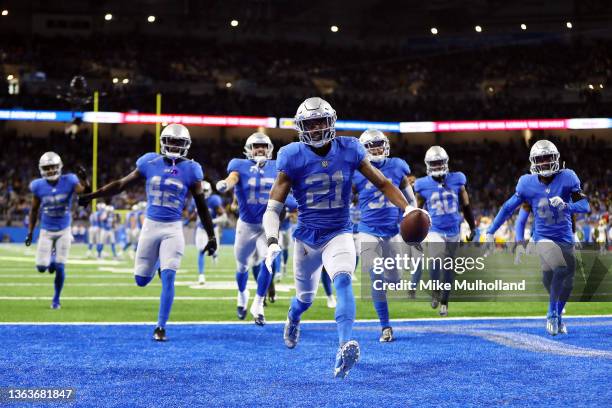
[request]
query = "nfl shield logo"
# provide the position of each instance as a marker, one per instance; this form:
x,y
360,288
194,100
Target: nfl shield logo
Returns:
x,y
324,163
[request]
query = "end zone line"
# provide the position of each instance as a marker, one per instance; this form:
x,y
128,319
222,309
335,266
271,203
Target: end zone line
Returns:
x,y
234,322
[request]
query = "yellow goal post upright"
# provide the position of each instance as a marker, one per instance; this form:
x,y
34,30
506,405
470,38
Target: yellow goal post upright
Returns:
x,y
157,123
94,165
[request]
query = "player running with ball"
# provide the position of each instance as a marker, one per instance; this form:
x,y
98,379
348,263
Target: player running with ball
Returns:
x,y
169,177
553,194
319,170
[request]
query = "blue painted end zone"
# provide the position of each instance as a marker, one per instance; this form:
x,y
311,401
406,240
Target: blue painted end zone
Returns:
x,y
432,363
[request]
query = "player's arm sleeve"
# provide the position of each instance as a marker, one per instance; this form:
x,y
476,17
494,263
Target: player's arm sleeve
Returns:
x,y
505,212
519,226
580,202
271,220
283,163
408,192
204,214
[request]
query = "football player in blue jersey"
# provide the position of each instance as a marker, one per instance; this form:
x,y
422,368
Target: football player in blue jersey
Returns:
x,y
169,177
132,231
52,193
553,195
378,227
445,196
93,232
319,171
252,179
215,207
107,229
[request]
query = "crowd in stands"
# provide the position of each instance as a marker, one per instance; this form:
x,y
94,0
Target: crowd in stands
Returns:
x,y
492,169
530,79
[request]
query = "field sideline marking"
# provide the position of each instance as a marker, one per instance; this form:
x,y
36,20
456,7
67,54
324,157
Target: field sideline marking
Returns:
x,y
233,322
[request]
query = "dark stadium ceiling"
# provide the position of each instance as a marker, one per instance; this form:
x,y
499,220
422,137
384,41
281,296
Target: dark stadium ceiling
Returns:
x,y
358,19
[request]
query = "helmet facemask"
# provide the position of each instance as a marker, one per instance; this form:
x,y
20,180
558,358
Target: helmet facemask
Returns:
x,y
317,131
546,164
437,168
50,172
378,150
174,147
258,152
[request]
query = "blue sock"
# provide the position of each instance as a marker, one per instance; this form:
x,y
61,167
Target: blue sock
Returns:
x,y
201,262
379,298
285,256
276,266
60,275
89,246
345,309
241,280
113,250
99,247
255,270
296,309
143,280
167,296
556,285
263,280
326,281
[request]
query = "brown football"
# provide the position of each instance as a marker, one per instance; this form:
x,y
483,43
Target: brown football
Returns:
x,y
415,226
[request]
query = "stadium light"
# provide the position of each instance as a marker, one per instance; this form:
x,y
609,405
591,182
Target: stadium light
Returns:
x,y
334,29
234,23
151,19
591,86
115,80
434,30
478,29
228,84
125,80
523,26
5,12
10,77
600,86
569,24
108,17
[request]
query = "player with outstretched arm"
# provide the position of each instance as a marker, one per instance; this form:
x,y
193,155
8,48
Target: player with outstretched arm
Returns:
x,y
169,177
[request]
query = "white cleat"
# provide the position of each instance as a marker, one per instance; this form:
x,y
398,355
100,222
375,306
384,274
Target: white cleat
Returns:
x,y
562,328
347,356
331,302
201,279
258,314
443,310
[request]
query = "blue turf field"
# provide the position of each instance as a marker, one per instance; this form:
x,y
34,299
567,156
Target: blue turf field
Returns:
x,y
433,363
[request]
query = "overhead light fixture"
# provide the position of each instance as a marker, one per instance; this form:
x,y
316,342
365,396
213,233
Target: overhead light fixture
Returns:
x,y
115,80
5,12
234,23
108,17
125,80
569,24
151,19
523,26
334,29
10,77
434,30
478,29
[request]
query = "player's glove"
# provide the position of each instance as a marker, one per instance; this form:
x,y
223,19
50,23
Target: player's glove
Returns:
x,y
28,240
80,171
211,246
470,237
558,203
273,250
84,200
222,186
